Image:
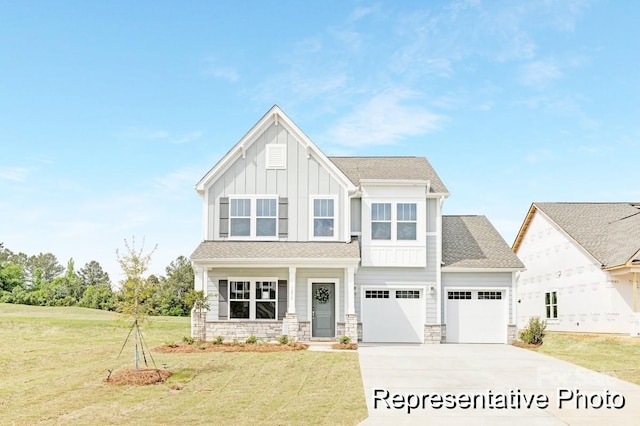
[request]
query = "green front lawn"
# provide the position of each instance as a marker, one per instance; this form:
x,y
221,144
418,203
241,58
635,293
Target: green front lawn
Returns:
x,y
54,360
617,356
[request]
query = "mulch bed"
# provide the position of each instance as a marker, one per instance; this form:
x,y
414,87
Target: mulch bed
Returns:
x,y
345,346
144,376
230,347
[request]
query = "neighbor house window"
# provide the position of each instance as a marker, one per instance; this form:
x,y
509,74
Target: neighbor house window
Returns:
x,y
240,217
407,218
551,304
253,299
266,217
323,217
239,299
381,221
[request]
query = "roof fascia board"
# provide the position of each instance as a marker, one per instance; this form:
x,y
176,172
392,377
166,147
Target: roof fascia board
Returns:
x,y
395,182
462,269
523,228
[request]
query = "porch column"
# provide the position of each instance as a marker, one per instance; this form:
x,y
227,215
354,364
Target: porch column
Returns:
x,y
290,325
291,289
350,317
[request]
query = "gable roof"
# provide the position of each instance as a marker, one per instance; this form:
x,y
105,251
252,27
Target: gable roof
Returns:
x,y
473,242
609,232
392,168
277,116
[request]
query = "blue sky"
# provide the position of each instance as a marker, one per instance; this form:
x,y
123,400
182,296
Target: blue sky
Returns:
x,y
110,112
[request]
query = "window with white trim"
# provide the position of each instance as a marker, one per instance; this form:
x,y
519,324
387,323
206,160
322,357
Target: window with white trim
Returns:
x,y
266,217
551,305
261,303
253,217
239,299
381,221
240,217
324,217
406,221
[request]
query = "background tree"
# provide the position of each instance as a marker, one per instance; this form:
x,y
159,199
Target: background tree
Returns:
x,y
11,276
92,274
47,263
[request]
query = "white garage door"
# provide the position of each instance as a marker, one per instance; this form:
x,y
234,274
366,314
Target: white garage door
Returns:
x,y
475,316
393,315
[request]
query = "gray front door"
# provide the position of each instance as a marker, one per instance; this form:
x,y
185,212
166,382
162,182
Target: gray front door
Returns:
x,y
323,301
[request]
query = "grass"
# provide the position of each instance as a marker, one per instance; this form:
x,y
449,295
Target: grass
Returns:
x,y
617,356
54,361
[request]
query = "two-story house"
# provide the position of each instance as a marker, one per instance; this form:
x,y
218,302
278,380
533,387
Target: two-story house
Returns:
x,y
583,266
313,247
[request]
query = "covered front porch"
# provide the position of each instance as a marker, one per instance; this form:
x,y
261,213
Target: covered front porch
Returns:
x,y
304,291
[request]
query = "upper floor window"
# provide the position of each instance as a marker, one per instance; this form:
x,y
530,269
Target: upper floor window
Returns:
x,y
266,217
407,219
381,221
240,216
253,217
323,217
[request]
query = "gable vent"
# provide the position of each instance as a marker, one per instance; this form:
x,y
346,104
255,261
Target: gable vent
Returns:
x,y
276,156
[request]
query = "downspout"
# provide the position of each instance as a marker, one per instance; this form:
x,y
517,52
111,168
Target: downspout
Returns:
x,y
439,261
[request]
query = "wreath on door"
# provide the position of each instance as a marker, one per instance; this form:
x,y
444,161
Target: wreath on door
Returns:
x,y
322,294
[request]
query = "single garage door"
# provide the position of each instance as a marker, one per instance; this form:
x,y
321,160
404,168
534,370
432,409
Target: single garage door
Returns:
x,y
476,316
393,315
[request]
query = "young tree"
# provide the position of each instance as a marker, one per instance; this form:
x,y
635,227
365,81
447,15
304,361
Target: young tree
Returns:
x,y
135,291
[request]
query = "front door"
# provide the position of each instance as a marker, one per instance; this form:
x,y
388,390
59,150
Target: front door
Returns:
x,y
323,302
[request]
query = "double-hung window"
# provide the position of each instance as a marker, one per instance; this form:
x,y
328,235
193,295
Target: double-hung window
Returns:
x,y
253,217
240,217
253,299
407,220
551,304
266,217
381,221
324,217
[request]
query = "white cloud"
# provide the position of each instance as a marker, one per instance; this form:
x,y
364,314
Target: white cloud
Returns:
x,y
539,73
15,174
384,120
539,155
222,72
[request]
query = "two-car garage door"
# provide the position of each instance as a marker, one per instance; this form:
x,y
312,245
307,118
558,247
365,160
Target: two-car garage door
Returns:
x,y
476,316
393,315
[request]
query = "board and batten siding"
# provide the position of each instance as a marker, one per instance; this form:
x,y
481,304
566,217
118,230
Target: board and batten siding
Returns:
x,y
395,276
473,280
303,177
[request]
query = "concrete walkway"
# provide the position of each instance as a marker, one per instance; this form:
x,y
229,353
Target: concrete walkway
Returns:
x,y
448,373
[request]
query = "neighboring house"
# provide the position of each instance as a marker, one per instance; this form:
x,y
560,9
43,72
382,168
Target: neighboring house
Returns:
x,y
583,265
313,247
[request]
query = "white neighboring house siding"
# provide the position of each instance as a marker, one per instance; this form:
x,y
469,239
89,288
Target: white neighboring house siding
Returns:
x,y
588,298
302,178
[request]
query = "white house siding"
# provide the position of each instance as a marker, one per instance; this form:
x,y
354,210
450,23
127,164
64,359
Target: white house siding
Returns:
x,y
392,276
478,280
303,177
356,215
589,299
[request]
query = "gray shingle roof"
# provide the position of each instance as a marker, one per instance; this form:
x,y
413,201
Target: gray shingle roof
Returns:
x,y
472,242
610,232
410,168
209,250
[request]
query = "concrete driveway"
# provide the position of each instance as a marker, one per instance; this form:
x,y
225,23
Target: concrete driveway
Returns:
x,y
448,384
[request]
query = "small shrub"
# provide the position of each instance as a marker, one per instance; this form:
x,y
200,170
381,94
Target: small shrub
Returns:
x,y
188,340
344,340
235,342
283,340
534,332
218,340
251,340
171,344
